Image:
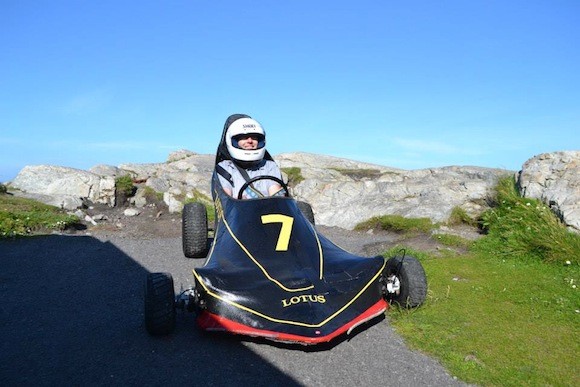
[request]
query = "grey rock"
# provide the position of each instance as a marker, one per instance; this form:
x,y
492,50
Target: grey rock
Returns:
x,y
158,184
139,200
131,212
106,191
140,171
554,178
60,186
174,200
89,219
106,170
179,155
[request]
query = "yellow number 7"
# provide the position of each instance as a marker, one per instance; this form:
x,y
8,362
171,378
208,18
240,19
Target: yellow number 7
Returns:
x,y
285,231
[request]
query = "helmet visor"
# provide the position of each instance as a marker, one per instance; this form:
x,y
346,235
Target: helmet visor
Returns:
x,y
258,140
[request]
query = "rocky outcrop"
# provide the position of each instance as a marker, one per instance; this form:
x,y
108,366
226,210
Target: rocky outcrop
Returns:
x,y
554,178
342,192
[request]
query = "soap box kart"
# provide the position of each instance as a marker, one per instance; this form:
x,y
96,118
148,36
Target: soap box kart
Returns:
x,y
270,274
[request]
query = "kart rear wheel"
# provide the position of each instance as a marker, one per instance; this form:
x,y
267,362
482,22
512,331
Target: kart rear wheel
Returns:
x,y
306,210
412,279
194,230
159,304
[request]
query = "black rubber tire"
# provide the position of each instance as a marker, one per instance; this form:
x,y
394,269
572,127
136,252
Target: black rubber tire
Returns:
x,y
413,281
306,210
159,304
194,231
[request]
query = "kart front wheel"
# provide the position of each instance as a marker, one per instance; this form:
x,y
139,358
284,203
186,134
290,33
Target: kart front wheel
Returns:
x,y
406,281
194,230
159,304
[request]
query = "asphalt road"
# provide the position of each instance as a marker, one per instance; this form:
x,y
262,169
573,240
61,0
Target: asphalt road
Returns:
x,y
71,313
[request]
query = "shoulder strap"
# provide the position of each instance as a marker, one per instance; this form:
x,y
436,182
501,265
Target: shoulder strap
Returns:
x,y
247,178
225,174
242,172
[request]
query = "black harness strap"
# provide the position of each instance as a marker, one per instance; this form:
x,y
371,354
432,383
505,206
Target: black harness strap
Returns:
x,y
225,174
247,178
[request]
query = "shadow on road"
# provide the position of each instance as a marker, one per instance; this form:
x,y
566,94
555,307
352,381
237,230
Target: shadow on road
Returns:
x,y
71,313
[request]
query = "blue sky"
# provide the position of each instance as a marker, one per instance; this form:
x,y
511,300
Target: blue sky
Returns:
x,y
406,84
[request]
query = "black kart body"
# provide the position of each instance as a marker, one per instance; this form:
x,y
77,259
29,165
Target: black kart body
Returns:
x,y
270,274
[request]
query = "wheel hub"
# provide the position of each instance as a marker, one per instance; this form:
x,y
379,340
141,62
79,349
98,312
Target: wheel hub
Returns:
x,y
393,285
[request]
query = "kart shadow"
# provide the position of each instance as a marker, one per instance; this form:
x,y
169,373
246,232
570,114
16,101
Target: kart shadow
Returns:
x,y
71,313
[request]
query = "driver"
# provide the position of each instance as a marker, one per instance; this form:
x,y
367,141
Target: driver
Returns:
x,y
245,143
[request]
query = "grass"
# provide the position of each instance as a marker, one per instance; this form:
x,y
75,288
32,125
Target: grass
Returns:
x,y
453,240
20,216
152,196
294,175
359,174
397,223
459,216
124,184
498,322
526,228
506,313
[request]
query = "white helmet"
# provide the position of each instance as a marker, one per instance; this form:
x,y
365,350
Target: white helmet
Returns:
x,y
239,128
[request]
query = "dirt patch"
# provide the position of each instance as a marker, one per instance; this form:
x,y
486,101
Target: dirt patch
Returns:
x,y
376,242
151,221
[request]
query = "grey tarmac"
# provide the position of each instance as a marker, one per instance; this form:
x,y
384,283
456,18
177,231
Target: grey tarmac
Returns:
x,y
72,314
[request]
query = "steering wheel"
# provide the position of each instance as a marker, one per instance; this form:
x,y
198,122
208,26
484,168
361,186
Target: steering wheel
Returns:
x,y
264,177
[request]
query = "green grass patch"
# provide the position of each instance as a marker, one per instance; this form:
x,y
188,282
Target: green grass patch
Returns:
x,y
294,175
396,223
124,184
360,173
152,195
526,228
453,240
20,216
459,216
499,322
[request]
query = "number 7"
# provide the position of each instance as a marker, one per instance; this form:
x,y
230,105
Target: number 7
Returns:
x,y
285,231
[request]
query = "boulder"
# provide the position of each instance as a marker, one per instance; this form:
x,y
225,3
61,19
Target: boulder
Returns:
x,y
174,200
139,200
131,212
67,187
554,178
